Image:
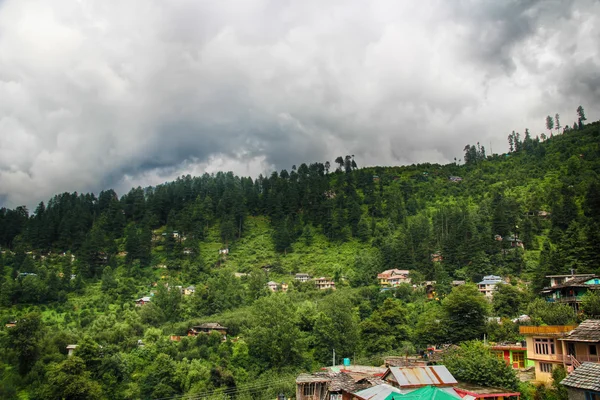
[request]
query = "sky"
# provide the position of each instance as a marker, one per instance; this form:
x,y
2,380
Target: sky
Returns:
x,y
118,94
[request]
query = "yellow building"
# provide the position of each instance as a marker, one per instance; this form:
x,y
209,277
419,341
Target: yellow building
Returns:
x,y
545,349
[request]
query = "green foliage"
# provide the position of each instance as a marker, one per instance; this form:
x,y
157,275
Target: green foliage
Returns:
x,y
543,312
274,339
590,303
508,301
473,362
70,380
465,313
25,339
348,225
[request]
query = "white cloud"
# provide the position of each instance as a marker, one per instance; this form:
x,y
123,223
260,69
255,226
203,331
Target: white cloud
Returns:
x,y
101,94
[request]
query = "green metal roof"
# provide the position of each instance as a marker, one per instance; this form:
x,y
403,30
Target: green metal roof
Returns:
x,y
426,393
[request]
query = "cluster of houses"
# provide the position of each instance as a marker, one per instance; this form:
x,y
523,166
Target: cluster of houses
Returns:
x,y
322,283
575,347
350,382
186,291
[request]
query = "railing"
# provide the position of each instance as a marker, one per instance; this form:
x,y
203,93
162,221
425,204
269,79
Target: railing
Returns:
x,y
565,358
545,330
583,358
568,299
549,357
574,362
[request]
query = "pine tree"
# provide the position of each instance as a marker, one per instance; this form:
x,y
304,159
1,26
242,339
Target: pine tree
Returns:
x,y
549,123
581,116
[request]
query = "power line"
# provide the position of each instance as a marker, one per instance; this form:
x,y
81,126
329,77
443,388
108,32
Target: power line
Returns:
x,y
229,391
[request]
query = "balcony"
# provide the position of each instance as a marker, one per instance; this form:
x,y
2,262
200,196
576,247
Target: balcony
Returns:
x,y
566,299
562,358
552,330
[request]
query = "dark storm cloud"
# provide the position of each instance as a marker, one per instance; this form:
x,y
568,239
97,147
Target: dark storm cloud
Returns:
x,y
116,94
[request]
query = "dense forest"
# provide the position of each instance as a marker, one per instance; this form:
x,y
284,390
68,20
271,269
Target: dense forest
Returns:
x,y
71,270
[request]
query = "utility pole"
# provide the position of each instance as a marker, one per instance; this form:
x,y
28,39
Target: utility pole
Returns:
x,y
333,365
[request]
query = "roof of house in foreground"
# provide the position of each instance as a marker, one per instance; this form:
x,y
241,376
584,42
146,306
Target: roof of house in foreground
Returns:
x,y
421,376
587,376
587,331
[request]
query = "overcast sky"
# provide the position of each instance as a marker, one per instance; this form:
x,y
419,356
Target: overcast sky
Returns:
x,y
114,94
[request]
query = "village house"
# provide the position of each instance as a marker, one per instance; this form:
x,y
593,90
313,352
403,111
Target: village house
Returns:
x,y
582,344
455,179
190,290
301,277
488,285
207,329
284,287
142,300
436,257
569,289
224,251
393,277
327,386
429,287
324,283
545,349
272,286
372,383
584,382
71,349
416,377
514,355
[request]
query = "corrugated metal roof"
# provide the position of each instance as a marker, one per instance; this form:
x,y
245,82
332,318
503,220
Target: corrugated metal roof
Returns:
x,y
437,375
378,392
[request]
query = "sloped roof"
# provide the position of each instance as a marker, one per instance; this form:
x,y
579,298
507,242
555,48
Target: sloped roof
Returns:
x,y
437,375
491,280
379,392
587,331
395,271
578,281
210,325
587,376
426,393
336,381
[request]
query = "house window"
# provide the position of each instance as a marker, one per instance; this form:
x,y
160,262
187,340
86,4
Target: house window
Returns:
x,y
519,358
593,350
544,346
309,390
546,367
592,396
335,396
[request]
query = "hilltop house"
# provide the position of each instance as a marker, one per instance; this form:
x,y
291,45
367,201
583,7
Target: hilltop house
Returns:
x,y
190,290
207,329
569,289
393,277
143,300
71,349
324,283
488,285
272,286
301,277
545,349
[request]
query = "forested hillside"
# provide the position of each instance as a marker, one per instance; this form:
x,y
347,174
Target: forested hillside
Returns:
x,y
71,270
